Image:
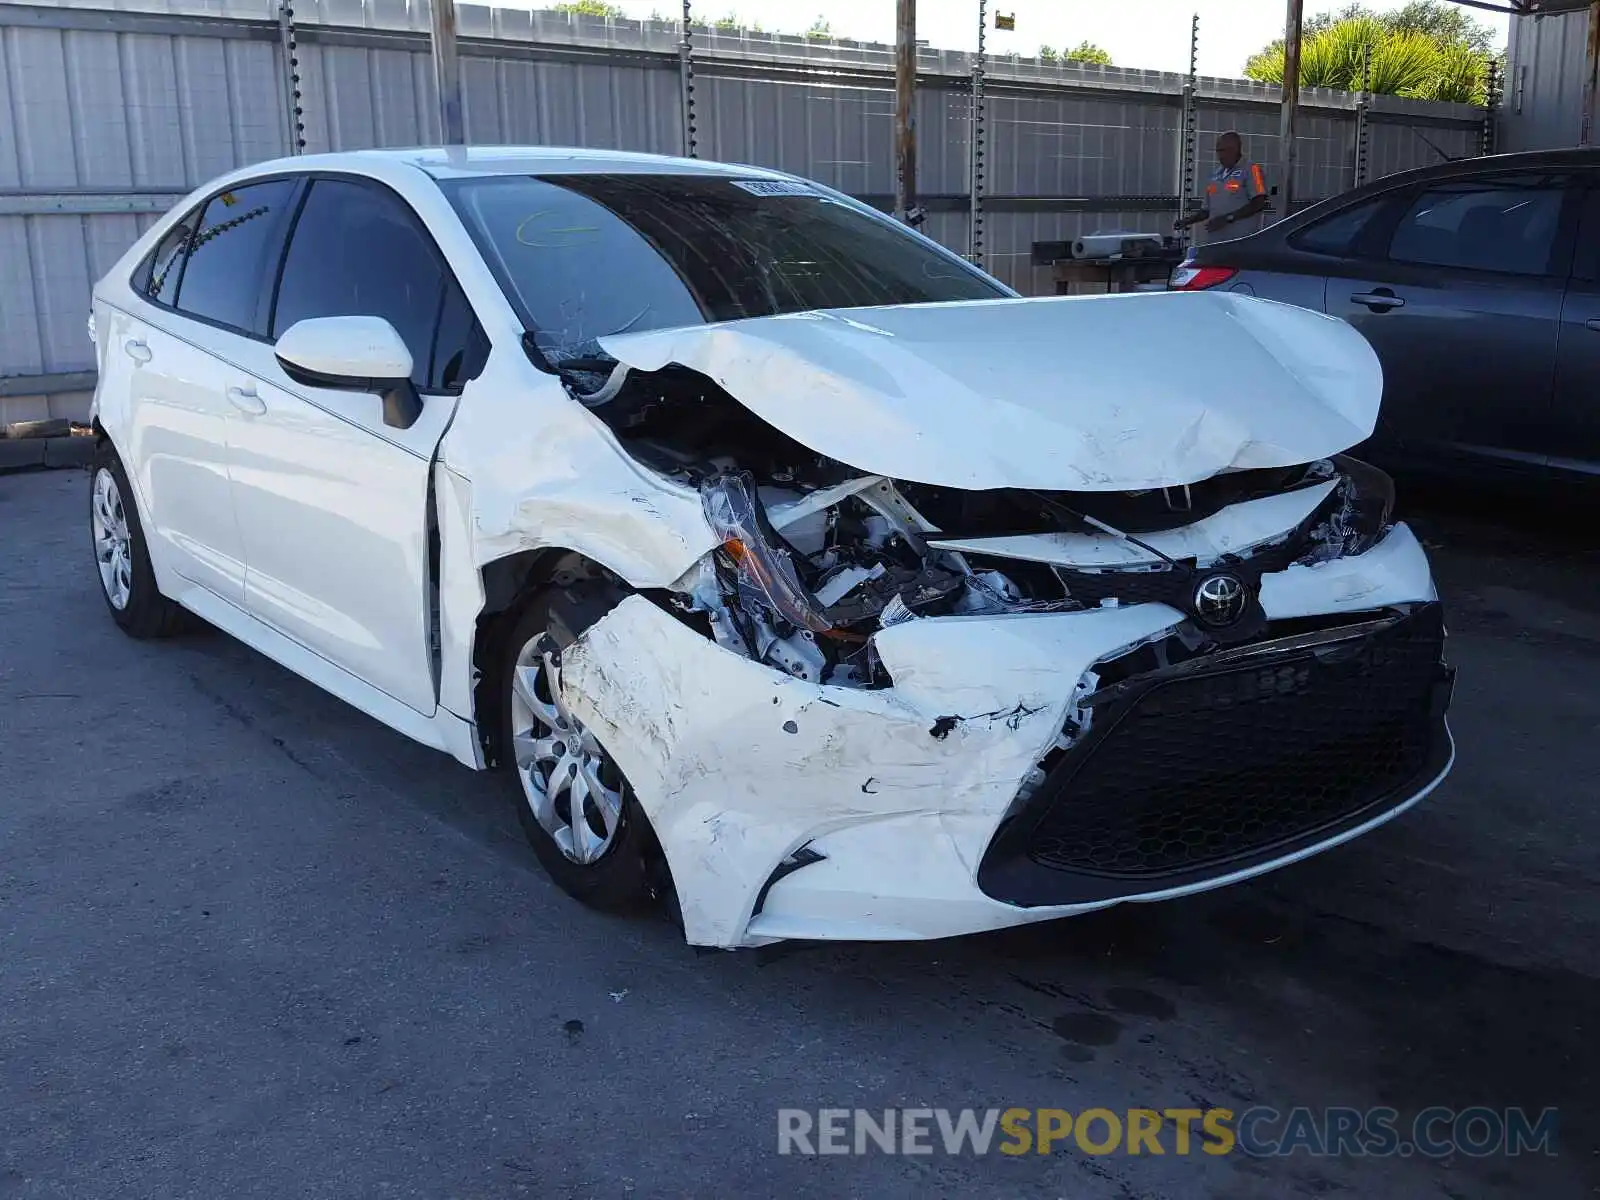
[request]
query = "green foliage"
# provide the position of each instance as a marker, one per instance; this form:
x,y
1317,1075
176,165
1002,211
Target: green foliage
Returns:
x,y
591,8
1083,52
1448,24
1428,50
820,29
1087,52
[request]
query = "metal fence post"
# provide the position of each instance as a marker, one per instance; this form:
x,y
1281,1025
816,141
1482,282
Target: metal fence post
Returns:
x,y
686,84
1363,117
1188,123
1493,85
293,108
977,136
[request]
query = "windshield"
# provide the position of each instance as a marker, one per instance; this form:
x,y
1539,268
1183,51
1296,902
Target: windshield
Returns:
x,y
583,256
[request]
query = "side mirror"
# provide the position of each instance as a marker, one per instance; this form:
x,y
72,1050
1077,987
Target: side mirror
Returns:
x,y
353,354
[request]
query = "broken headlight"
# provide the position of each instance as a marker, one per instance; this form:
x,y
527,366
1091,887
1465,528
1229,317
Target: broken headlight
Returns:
x,y
1358,515
763,565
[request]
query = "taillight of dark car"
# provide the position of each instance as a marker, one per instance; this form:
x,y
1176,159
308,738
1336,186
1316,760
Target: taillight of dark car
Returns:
x,y
1190,277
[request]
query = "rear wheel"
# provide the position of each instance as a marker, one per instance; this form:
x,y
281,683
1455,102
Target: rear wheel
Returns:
x,y
122,558
575,805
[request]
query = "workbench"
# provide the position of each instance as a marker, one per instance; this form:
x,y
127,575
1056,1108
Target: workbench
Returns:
x,y
1119,273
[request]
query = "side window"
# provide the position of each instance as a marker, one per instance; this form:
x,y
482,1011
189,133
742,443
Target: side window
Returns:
x,y
359,250
157,276
1508,224
1586,255
1339,233
460,346
227,267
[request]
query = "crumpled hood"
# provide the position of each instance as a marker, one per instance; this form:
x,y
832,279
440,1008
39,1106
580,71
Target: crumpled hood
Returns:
x,y
1096,393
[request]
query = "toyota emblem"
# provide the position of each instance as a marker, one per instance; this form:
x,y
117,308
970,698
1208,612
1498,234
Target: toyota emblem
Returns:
x,y
1220,600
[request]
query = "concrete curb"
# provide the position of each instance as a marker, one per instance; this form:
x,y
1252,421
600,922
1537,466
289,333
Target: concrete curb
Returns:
x,y
44,454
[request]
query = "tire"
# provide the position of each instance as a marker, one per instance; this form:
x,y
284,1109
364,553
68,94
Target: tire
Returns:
x,y
614,866
122,558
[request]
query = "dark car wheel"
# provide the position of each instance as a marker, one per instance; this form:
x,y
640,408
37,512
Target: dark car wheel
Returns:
x,y
575,805
122,559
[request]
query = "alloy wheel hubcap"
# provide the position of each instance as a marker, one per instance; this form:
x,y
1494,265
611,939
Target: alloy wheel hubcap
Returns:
x,y
572,787
111,545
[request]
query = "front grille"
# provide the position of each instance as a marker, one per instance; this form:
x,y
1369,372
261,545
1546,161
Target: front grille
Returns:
x,y
1209,767
1174,586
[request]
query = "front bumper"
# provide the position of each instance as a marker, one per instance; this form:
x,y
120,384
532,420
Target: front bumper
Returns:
x,y
788,809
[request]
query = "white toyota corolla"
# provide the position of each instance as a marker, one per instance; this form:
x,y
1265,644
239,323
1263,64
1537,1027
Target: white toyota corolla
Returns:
x,y
800,576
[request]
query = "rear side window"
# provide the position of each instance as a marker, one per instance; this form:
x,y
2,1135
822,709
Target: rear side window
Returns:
x,y
226,270
1508,225
157,277
1339,233
359,250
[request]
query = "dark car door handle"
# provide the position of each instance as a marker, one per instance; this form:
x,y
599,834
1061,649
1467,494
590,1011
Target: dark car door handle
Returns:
x,y
1379,301
1592,323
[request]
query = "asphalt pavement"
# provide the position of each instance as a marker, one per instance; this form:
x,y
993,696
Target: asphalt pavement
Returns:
x,y
254,944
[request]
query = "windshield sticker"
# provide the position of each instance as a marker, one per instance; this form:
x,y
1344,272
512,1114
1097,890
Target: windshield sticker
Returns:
x,y
774,187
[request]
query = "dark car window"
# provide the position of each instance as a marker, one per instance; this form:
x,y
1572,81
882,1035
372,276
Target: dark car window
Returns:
x,y
1586,254
459,344
583,256
1339,233
359,250
157,276
226,268
1508,225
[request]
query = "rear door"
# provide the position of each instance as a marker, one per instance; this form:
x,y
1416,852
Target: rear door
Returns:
x,y
1463,306
1574,425
201,289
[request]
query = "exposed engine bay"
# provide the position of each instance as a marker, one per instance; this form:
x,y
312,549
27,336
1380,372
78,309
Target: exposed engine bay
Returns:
x,y
816,556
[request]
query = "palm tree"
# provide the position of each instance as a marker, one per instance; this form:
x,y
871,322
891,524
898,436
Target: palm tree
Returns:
x,y
1395,54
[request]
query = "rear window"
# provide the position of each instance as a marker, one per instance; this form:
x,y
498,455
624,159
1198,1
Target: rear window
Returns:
x,y
583,256
1338,234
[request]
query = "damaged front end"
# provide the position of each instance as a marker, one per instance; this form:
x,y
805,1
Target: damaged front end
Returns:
x,y
945,709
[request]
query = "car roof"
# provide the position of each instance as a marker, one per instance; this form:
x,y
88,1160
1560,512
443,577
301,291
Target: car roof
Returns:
x,y
1526,160
1459,168
457,162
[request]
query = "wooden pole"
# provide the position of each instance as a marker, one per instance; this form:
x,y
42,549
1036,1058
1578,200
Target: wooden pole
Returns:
x,y
447,72
905,118
1292,29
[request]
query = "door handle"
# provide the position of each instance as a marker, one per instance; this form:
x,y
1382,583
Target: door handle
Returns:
x,y
246,400
136,350
1592,323
1381,300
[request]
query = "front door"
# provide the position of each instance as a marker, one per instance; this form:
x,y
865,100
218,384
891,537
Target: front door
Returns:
x,y
332,503
1463,310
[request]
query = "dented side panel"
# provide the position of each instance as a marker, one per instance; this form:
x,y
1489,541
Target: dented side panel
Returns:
x,y
546,473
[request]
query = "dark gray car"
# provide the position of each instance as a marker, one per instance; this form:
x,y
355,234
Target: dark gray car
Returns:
x,y
1478,283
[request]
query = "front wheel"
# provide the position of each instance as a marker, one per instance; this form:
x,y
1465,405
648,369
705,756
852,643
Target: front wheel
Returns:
x,y
574,803
122,558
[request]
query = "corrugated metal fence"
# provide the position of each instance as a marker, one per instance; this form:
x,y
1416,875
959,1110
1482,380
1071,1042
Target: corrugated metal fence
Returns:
x,y
1547,62
108,116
